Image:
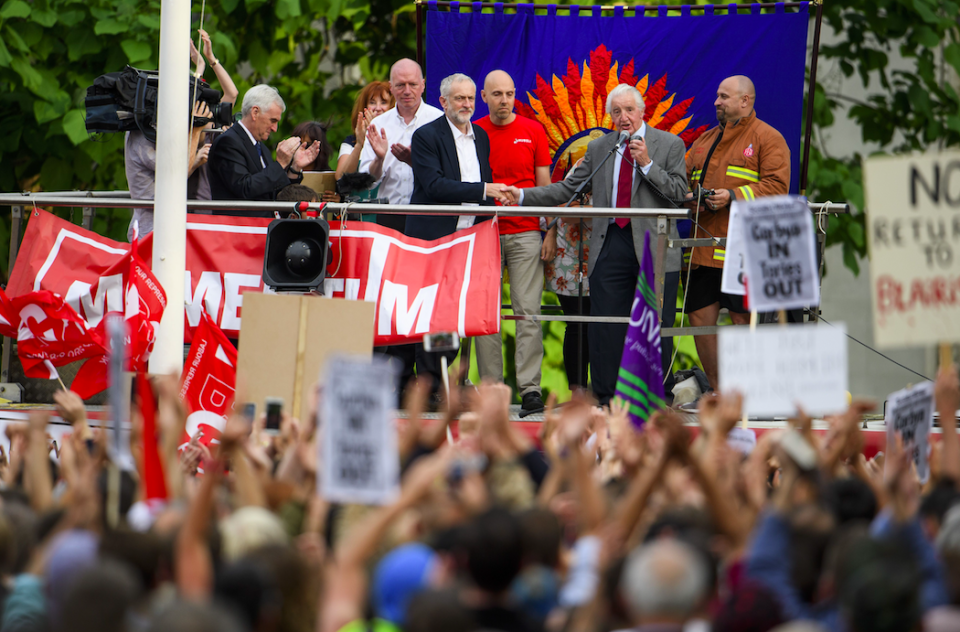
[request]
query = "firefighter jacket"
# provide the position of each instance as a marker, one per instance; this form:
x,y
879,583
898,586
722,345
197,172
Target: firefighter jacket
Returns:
x,y
749,158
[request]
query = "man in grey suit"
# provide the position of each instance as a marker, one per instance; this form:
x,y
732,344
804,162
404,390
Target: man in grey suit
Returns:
x,y
616,243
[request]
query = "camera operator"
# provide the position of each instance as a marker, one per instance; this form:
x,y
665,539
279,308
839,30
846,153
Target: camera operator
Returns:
x,y
140,153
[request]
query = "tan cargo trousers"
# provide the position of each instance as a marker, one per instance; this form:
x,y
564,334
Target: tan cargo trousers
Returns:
x,y
520,254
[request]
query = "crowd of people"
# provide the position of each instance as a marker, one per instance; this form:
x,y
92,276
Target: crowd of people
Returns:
x,y
592,525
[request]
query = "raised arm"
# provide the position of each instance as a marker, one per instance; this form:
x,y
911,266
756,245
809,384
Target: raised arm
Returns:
x,y
230,92
947,391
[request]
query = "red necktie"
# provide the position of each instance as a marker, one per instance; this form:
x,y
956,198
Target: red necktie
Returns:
x,y
625,186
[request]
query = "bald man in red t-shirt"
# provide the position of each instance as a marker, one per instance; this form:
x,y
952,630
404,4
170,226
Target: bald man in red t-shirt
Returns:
x,y
519,156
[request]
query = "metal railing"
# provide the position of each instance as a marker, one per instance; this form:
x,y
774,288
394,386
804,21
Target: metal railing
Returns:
x,y
89,201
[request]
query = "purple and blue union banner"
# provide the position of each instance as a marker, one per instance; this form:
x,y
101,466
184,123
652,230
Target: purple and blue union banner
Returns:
x,y
640,380
565,62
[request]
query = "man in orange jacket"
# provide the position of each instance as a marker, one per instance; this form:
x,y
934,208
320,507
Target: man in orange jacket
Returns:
x,y
742,158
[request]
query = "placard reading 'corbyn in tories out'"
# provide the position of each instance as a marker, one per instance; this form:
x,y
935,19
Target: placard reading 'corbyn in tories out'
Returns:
x,y
909,413
780,258
913,232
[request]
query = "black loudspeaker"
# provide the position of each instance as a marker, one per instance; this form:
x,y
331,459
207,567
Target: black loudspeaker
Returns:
x,y
297,255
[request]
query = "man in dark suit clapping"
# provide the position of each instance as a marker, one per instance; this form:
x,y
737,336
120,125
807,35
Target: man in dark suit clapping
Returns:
x,y
242,167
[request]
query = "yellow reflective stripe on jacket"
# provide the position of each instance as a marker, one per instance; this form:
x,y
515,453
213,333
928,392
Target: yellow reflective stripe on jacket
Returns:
x,y
743,173
695,175
747,193
719,254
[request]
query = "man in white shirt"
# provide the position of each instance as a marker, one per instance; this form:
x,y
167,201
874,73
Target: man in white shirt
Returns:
x,y
386,154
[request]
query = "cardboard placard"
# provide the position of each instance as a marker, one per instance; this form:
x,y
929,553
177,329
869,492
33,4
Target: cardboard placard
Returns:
x,y
913,235
909,413
731,279
780,257
777,368
320,181
358,447
277,329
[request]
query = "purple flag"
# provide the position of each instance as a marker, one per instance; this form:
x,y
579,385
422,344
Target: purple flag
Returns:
x,y
640,380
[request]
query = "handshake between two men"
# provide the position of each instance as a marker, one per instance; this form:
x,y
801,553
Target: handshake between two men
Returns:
x,y
505,194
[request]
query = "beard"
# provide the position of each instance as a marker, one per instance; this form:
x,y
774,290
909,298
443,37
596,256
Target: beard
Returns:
x,y
460,118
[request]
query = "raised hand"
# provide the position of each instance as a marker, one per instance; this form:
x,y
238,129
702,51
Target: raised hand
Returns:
x,y
401,152
207,45
378,140
638,149
307,155
286,150
203,154
947,394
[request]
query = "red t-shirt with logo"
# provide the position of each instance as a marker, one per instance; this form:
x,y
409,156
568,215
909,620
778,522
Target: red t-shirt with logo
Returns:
x,y
515,150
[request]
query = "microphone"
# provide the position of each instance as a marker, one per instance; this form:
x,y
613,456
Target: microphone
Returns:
x,y
624,137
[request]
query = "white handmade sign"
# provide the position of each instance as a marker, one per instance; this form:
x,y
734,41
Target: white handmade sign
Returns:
x,y
731,279
913,233
358,447
780,256
778,368
909,413
743,440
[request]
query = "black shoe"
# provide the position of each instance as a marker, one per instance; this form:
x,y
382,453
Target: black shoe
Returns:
x,y
532,404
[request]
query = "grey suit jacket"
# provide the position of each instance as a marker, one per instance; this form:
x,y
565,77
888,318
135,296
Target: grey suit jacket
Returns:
x,y
668,173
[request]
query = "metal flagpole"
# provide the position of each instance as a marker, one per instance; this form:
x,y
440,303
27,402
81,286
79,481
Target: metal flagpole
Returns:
x,y
808,133
170,208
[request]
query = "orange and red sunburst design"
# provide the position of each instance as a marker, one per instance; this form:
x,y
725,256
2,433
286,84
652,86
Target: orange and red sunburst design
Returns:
x,y
572,109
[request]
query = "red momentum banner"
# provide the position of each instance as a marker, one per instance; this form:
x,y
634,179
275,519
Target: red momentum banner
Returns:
x,y
451,284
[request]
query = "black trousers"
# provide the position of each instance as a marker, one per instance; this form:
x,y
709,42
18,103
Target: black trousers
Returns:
x,y
576,353
613,284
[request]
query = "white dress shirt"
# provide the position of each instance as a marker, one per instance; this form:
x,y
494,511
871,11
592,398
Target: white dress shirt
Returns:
x,y
396,178
469,166
252,140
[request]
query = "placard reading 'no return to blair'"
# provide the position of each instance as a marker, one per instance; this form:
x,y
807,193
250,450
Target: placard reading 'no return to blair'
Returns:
x,y
913,230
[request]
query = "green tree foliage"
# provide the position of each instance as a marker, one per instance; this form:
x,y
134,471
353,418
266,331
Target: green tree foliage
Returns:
x,y
52,50
914,108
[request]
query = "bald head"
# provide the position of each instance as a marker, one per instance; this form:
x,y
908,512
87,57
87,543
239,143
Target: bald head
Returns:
x,y
405,67
735,99
498,93
406,86
663,581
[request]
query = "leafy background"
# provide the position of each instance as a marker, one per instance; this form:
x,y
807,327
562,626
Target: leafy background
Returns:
x,y
318,53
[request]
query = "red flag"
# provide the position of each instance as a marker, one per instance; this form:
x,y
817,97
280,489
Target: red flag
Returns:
x,y
50,334
8,318
154,482
91,378
144,301
208,381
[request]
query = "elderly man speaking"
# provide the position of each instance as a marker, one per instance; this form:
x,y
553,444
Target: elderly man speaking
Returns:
x,y
644,174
